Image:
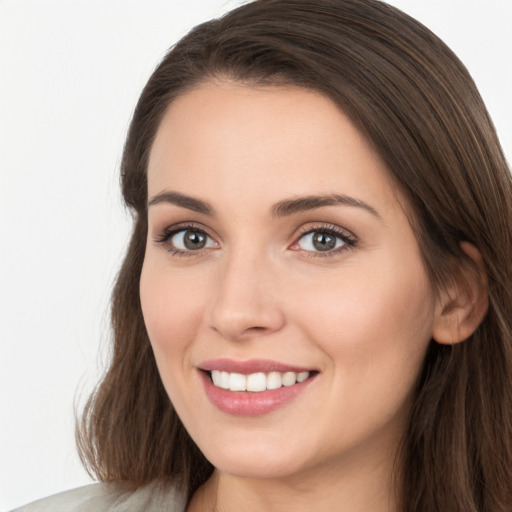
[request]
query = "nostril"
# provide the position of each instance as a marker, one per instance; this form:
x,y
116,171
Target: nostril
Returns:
x,y
257,329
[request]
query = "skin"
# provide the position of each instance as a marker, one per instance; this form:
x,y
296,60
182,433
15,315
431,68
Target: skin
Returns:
x,y
361,316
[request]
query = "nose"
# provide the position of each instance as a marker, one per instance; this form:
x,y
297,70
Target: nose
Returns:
x,y
246,302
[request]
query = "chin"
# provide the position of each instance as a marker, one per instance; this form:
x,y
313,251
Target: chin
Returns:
x,y
261,459
257,468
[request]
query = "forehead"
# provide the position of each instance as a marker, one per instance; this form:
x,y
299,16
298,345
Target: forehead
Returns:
x,y
229,139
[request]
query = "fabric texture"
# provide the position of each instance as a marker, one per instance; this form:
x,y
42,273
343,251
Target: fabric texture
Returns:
x,y
104,497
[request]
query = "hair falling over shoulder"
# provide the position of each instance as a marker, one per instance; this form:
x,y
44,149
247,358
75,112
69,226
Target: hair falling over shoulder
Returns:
x,y
419,108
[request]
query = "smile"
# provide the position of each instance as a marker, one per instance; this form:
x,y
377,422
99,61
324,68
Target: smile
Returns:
x,y
255,387
256,382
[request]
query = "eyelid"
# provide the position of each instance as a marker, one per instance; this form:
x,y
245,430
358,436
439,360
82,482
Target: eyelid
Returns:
x,y
164,236
349,239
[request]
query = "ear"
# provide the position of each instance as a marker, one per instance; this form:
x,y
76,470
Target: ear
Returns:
x,y
462,305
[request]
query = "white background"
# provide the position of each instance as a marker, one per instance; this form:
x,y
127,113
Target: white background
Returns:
x,y
70,74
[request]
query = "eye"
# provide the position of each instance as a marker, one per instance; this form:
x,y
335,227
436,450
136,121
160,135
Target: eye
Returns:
x,y
319,241
191,240
185,240
324,241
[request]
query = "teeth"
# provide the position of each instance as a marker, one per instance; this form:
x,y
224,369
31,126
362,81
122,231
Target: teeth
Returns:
x,y
302,376
289,378
224,380
274,380
256,381
237,382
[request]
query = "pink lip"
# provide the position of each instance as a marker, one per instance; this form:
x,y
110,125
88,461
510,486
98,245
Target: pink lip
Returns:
x,y
247,403
251,366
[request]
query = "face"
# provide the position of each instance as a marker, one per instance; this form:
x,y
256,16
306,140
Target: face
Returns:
x,y
280,264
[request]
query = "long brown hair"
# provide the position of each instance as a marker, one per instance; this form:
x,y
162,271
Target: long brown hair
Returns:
x,y
417,105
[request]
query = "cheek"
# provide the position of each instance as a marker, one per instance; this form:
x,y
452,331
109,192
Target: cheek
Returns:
x,y
172,312
375,325
171,306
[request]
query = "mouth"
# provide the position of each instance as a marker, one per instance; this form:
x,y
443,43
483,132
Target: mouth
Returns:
x,y
255,387
256,382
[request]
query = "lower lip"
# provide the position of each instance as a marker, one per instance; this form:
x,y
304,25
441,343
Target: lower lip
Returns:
x,y
247,403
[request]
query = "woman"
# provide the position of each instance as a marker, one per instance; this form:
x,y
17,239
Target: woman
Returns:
x,y
314,310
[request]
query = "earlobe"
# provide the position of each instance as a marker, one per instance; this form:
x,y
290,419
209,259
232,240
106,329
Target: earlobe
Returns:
x,y
463,305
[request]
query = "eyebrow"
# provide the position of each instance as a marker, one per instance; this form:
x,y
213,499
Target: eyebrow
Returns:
x,y
307,203
281,209
190,203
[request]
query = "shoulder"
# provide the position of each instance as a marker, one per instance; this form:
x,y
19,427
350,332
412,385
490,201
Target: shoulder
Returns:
x,y
104,497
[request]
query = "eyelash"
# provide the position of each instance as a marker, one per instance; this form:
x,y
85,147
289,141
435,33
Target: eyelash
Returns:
x,y
168,233
349,241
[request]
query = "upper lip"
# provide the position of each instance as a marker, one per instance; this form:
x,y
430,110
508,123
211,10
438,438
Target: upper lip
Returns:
x,y
250,366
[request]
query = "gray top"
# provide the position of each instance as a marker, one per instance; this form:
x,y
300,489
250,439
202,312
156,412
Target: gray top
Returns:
x,y
110,498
